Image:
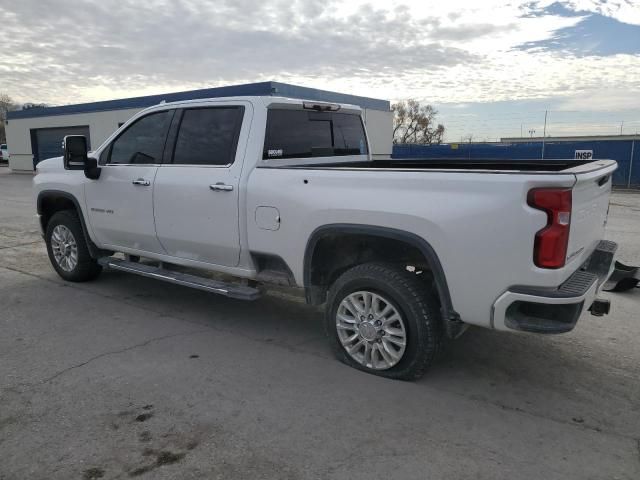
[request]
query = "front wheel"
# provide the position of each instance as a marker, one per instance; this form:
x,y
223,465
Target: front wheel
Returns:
x,y
67,248
383,320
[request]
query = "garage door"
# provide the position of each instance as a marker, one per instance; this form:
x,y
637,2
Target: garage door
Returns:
x,y
47,142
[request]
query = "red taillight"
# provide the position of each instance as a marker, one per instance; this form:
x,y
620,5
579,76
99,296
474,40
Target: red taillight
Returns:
x,y
550,248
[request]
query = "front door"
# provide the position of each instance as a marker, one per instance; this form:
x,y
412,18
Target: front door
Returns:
x,y
196,195
120,202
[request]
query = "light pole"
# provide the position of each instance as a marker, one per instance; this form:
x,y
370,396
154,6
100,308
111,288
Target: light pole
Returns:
x,y
544,134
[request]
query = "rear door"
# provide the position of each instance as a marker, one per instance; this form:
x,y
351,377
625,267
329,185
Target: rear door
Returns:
x,y
196,195
120,202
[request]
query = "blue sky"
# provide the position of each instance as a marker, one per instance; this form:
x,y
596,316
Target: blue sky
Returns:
x,y
490,67
594,34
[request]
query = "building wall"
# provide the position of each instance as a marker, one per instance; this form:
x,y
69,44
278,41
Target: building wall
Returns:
x,y
380,131
102,124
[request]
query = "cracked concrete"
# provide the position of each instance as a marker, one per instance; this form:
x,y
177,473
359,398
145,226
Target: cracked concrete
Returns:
x,y
130,377
116,352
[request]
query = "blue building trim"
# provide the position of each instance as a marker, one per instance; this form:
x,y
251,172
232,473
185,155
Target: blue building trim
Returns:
x,y
249,89
294,91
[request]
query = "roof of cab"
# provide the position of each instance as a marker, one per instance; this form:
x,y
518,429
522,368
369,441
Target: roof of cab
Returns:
x,y
268,102
250,89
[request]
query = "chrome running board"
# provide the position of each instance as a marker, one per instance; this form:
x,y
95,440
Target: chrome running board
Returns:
x,y
233,290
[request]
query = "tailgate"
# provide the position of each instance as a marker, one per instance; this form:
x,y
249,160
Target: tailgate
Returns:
x,y
590,206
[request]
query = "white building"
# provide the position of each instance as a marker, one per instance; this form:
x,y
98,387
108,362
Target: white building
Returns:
x,y
36,134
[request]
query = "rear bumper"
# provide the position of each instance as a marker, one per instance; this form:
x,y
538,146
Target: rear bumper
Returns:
x,y
555,310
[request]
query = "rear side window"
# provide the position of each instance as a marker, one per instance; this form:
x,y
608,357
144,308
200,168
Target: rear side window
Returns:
x,y
208,136
301,133
143,141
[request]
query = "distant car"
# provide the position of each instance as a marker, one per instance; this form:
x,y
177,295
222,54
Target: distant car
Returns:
x,y
4,153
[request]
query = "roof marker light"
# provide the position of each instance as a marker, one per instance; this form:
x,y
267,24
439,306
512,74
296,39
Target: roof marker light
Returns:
x,y
321,107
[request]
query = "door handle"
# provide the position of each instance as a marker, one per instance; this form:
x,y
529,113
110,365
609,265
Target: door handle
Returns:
x,y
221,187
141,181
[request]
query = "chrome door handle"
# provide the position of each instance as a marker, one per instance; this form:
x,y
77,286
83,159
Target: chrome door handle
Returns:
x,y
221,187
141,181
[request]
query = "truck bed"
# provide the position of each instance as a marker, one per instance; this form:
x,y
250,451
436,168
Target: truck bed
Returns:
x,y
461,164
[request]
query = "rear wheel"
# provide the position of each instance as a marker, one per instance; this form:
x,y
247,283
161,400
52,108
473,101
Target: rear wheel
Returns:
x,y
383,320
67,248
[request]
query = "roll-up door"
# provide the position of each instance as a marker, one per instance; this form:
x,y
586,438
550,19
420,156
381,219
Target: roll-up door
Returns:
x,y
47,142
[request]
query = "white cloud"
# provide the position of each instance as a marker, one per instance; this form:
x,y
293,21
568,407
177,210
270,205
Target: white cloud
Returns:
x,y
442,52
626,11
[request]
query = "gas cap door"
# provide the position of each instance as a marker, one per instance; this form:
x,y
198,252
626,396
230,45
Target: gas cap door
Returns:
x,y
268,218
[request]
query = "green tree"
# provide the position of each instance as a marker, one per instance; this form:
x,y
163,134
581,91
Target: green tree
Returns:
x,y
416,123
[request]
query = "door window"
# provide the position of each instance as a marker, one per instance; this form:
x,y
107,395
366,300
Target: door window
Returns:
x,y
143,142
208,136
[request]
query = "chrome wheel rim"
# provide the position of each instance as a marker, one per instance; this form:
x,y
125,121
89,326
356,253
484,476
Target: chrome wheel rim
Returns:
x,y
371,330
64,247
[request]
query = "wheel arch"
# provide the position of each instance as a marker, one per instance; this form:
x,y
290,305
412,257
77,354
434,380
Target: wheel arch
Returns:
x,y
51,201
316,293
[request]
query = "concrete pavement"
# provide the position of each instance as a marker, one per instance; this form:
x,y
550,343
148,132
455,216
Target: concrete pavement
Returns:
x,y
127,377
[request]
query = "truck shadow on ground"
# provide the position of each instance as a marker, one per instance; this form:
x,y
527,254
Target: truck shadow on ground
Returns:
x,y
480,359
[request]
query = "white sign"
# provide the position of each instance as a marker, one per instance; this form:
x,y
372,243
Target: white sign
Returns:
x,y
583,155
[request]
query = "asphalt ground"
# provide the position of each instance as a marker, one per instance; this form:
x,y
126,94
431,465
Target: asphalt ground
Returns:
x,y
127,377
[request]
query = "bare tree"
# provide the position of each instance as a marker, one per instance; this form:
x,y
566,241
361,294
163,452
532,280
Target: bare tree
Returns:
x,y
6,105
415,123
27,106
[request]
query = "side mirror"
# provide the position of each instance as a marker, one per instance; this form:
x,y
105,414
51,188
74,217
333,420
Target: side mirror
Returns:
x,y
75,156
75,152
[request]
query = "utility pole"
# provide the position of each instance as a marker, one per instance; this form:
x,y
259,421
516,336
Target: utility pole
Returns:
x,y
621,124
520,130
544,132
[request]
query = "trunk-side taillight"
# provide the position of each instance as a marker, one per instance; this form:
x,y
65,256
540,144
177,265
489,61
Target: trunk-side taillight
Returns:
x,y
550,247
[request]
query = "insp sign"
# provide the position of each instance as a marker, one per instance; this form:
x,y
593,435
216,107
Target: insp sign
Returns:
x,y
583,155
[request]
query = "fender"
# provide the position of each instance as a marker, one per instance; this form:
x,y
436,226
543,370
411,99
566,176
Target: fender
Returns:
x,y
94,250
453,325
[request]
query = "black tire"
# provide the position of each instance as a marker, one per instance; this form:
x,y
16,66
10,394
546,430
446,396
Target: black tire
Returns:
x,y
415,302
86,267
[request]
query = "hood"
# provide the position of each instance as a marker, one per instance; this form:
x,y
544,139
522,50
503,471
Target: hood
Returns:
x,y
50,164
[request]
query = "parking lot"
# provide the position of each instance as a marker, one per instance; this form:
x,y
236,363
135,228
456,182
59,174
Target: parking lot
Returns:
x,y
130,377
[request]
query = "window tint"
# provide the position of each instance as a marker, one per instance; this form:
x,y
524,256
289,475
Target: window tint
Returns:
x,y
349,137
300,133
208,136
142,142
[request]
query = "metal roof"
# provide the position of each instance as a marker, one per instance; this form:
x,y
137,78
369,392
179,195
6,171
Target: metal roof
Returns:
x,y
248,89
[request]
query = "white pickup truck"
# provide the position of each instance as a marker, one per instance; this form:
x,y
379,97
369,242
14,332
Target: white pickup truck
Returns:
x,y
231,194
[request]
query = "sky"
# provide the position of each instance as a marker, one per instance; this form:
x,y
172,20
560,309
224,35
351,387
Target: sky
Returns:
x,y
491,68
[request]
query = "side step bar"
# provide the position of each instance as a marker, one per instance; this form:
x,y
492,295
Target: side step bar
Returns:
x,y
241,292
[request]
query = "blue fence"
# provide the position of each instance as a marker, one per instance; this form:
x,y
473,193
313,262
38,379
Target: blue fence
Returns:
x,y
625,152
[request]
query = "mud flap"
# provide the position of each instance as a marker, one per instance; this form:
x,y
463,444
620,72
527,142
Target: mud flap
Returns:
x,y
623,278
